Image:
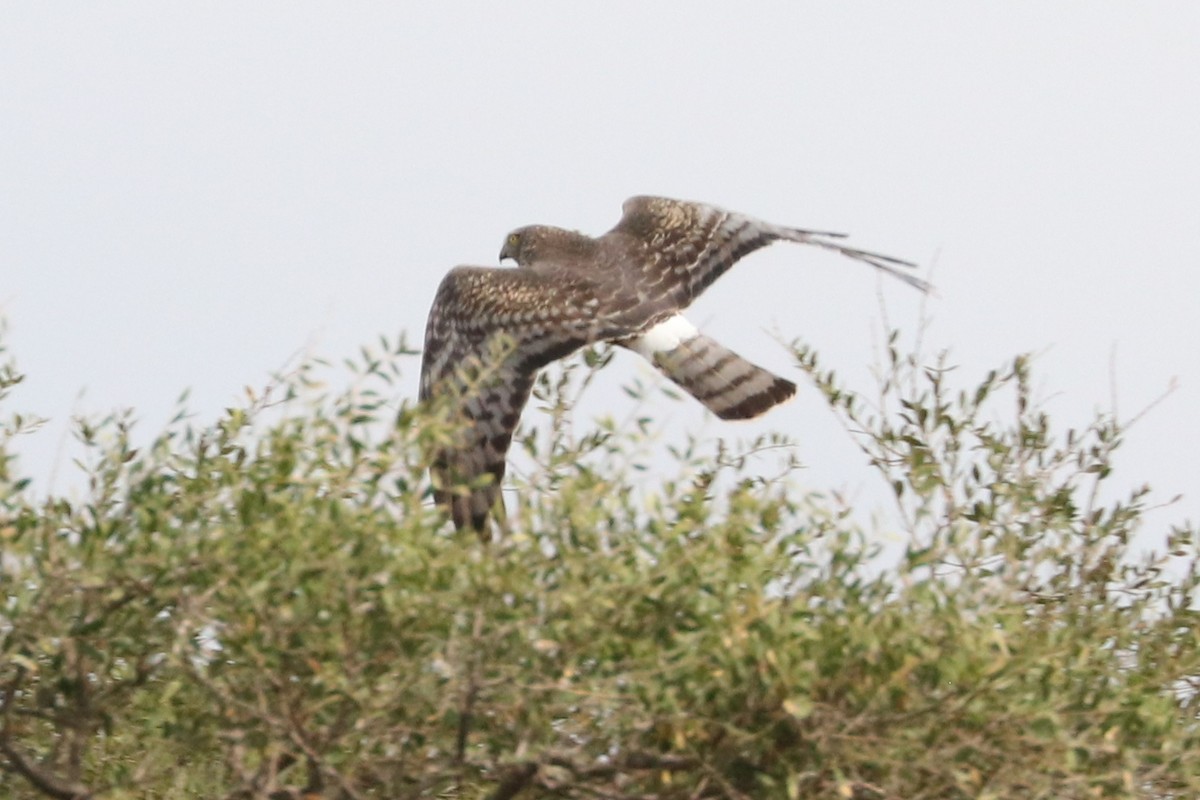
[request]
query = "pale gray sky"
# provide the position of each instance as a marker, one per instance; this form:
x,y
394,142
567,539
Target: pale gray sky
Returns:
x,y
190,193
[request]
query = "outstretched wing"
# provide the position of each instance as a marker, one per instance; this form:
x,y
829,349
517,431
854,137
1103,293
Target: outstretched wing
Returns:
x,y
683,247
489,332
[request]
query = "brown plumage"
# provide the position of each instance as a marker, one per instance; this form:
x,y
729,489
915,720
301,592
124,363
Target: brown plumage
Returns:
x,y
490,330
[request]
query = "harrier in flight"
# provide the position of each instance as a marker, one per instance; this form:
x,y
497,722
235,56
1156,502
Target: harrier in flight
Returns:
x,y
491,329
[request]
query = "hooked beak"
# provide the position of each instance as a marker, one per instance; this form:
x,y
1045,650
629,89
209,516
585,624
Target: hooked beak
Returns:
x,y
505,253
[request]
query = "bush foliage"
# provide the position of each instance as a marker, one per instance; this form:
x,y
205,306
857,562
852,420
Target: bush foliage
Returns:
x,y
268,607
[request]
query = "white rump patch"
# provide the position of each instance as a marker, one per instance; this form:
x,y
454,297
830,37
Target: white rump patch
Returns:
x,y
664,337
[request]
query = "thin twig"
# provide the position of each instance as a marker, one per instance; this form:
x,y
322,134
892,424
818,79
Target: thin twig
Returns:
x,y
466,710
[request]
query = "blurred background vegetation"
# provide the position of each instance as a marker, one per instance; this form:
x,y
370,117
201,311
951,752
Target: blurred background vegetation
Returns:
x,y
269,607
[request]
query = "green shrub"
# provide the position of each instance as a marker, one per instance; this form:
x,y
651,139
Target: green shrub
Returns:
x,y
269,607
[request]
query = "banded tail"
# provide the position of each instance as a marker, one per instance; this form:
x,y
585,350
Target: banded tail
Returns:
x,y
727,384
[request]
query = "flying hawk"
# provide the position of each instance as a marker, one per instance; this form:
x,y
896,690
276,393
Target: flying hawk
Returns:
x,y
491,329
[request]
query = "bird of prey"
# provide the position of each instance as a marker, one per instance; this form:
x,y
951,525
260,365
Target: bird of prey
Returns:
x,y
491,329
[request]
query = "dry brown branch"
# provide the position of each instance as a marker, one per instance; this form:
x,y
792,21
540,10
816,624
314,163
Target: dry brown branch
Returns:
x,y
42,779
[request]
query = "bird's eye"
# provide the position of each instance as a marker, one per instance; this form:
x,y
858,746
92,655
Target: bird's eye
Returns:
x,y
513,238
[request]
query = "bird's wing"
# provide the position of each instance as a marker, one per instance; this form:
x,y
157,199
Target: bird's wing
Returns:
x,y
682,247
489,332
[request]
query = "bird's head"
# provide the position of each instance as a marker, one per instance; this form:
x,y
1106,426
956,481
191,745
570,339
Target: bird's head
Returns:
x,y
538,246
519,245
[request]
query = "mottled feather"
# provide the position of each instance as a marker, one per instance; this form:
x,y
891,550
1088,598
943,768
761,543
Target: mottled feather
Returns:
x,y
683,247
490,330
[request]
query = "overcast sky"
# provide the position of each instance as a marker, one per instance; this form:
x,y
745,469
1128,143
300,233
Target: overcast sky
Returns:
x,y
191,193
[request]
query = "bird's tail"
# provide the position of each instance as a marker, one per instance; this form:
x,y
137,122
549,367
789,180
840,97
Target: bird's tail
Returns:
x,y
727,384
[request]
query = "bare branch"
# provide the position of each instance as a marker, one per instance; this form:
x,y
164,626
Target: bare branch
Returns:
x,y
42,780
471,692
